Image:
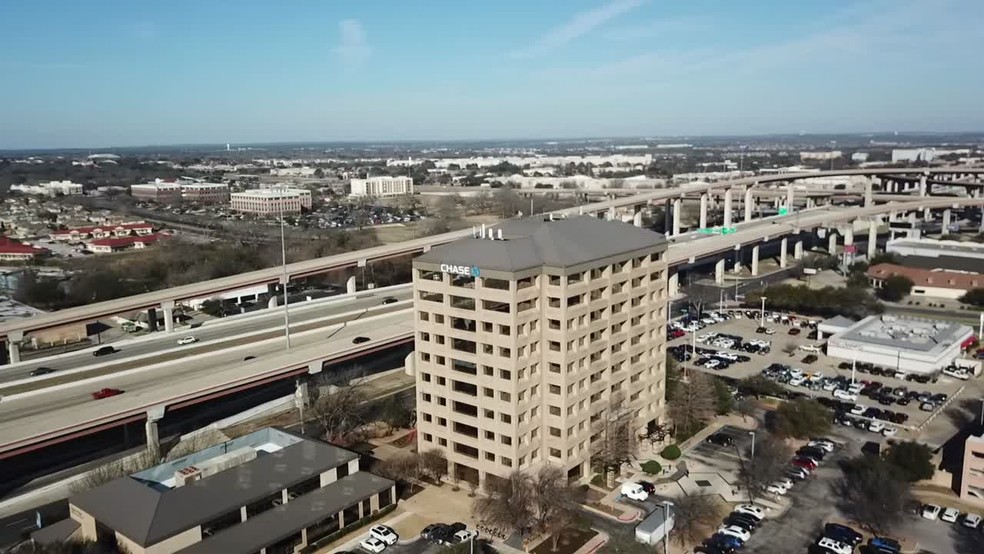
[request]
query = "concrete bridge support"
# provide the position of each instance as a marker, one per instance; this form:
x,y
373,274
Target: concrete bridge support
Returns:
x,y
849,234
272,293
727,208
167,307
790,196
868,198
923,185
832,242
737,258
798,250
154,415
13,346
677,213
872,238
703,211
945,230
719,272
152,319
755,260
748,204
637,216
783,252
350,287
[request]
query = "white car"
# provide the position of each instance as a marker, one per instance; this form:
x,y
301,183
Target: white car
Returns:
x,y
770,331
836,547
830,386
373,545
776,489
711,364
797,381
752,510
810,348
735,531
890,431
384,533
465,536
856,388
858,409
784,482
971,520
961,374
634,491
950,515
842,394
187,340
822,444
876,427
931,511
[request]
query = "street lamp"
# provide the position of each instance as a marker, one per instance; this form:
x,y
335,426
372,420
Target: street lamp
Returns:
x,y
283,262
752,433
762,313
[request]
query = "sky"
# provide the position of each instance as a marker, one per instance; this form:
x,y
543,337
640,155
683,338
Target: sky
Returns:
x,y
123,73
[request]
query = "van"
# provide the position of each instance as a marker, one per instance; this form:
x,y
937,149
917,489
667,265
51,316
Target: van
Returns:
x,y
634,491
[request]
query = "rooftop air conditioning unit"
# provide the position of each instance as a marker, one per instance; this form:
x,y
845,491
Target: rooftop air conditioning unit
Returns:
x,y
187,475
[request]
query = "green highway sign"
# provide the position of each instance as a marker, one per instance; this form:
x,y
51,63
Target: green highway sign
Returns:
x,y
783,211
717,230
728,230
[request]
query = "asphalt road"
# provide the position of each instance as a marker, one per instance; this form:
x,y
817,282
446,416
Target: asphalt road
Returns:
x,y
210,335
22,418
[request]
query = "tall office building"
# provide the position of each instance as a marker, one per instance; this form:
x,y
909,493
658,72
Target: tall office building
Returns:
x,y
534,346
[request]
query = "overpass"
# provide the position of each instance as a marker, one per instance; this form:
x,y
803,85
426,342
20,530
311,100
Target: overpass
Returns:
x,y
14,331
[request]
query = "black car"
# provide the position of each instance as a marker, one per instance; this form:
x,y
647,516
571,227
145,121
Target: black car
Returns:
x,y
360,340
390,300
746,522
842,533
105,351
811,452
42,371
650,488
428,532
721,439
712,549
248,358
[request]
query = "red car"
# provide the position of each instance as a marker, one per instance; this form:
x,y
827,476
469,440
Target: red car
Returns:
x,y
805,463
105,393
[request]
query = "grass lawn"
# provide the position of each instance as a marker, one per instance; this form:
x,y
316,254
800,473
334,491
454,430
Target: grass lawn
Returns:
x,y
570,540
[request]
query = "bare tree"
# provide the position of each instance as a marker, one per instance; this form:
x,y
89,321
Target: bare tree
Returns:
x,y
196,442
114,470
746,407
557,504
768,465
433,464
509,202
617,446
406,468
473,485
694,402
341,409
694,517
508,503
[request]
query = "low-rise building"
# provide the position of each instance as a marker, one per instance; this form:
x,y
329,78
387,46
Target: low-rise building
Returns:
x,y
304,171
938,254
902,343
15,251
821,156
51,188
205,193
119,244
935,283
304,194
138,228
272,201
268,491
383,186
158,191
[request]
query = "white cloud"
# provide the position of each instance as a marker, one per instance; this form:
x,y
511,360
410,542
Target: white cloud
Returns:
x,y
352,50
581,24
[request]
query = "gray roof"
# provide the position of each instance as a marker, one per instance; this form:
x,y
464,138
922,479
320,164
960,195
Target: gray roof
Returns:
x,y
839,322
55,533
147,515
306,510
535,242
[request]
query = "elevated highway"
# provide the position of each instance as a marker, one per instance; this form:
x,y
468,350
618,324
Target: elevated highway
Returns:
x,y
15,331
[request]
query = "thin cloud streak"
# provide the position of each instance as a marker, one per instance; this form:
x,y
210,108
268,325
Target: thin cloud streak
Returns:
x,y
581,24
353,49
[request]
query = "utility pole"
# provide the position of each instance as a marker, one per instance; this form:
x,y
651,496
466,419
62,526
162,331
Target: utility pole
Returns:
x,y
283,260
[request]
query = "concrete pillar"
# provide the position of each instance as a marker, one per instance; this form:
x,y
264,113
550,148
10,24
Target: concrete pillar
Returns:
x,y
154,415
755,260
783,252
668,217
832,242
927,214
872,238
923,185
790,198
677,212
737,258
611,213
849,234
868,198
673,284
798,250
912,217
168,308
152,319
637,218
749,202
945,230
272,293
13,346
719,271
810,202
703,211
350,285
727,208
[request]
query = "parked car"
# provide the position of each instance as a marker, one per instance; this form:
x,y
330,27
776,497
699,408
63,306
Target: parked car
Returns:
x,y
842,533
972,521
464,536
428,532
950,515
736,532
634,491
810,358
804,463
721,439
372,544
106,393
931,511
384,533
842,394
757,512
835,546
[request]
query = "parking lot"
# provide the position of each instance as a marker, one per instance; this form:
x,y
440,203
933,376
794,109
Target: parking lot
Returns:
x,y
896,401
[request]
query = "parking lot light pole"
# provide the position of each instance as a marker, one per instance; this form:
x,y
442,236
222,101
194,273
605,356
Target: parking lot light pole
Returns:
x,y
762,324
283,261
752,433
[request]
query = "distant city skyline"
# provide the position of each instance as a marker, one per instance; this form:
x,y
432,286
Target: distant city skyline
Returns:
x,y
119,74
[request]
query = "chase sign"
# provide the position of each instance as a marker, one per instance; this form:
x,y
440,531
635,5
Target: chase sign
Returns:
x,y
466,270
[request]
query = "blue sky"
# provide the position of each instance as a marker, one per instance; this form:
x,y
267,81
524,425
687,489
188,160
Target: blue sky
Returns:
x,y
118,72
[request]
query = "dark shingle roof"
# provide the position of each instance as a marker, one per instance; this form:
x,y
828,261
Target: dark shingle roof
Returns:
x,y
278,523
147,515
535,242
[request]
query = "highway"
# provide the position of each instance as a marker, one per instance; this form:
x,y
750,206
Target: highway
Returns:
x,y
320,265
51,411
213,335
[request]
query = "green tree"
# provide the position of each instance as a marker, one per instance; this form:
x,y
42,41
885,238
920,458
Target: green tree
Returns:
x,y
912,461
725,402
884,258
895,288
974,297
801,418
871,494
858,279
758,386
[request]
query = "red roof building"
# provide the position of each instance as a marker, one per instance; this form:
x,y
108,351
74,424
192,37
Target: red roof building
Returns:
x,y
104,231
927,282
104,246
15,251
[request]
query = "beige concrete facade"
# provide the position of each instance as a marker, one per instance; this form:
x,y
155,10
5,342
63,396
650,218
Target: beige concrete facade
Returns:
x,y
972,474
519,369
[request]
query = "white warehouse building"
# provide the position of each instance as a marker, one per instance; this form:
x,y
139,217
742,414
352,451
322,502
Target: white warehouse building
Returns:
x,y
380,187
905,344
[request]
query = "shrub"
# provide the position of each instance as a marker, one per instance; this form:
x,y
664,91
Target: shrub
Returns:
x,y
599,481
671,452
652,467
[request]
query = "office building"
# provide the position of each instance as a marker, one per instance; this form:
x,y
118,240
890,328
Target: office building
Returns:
x,y
269,491
205,193
901,343
304,194
971,485
533,347
158,191
272,201
381,187
927,282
